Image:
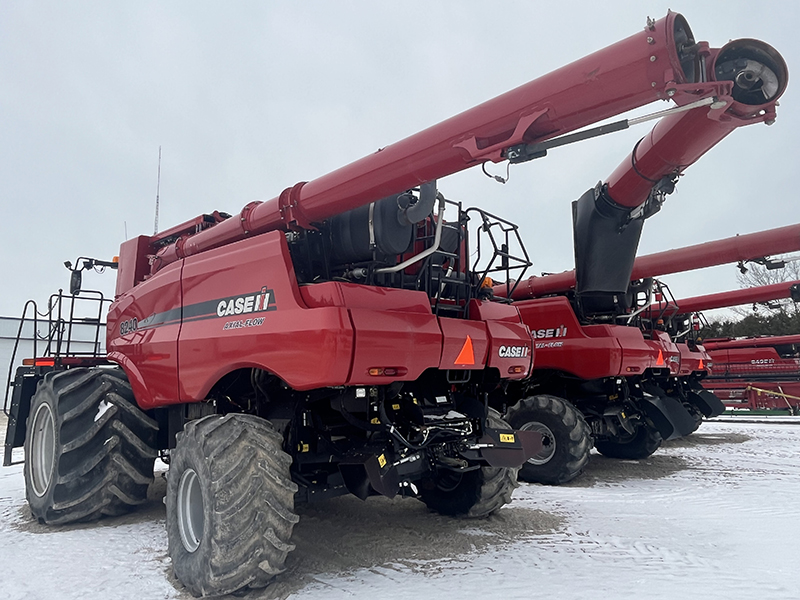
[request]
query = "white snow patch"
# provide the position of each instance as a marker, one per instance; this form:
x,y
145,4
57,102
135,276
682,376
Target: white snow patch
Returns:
x,y
101,410
722,526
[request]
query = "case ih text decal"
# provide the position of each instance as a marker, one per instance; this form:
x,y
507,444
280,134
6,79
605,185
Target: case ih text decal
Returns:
x,y
245,304
513,351
559,331
249,303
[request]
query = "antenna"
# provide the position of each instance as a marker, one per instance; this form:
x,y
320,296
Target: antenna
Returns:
x,y
158,189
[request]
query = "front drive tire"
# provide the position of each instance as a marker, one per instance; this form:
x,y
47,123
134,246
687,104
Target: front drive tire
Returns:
x,y
567,437
230,504
473,494
641,444
89,450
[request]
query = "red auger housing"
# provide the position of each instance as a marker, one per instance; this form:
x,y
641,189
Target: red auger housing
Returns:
x,y
740,248
752,295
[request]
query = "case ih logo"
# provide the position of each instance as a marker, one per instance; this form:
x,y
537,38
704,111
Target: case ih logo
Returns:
x,y
513,351
559,331
239,305
762,361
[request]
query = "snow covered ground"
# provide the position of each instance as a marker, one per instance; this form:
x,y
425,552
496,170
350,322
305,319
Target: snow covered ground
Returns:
x,y
712,516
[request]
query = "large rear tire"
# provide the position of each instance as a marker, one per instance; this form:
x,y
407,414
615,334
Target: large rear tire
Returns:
x,y
567,438
641,444
89,450
473,494
230,504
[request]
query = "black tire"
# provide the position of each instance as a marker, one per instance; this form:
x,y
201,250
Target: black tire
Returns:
x,y
568,438
89,449
696,415
641,444
230,504
473,494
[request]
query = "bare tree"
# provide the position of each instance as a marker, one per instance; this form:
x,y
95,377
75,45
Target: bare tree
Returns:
x,y
769,272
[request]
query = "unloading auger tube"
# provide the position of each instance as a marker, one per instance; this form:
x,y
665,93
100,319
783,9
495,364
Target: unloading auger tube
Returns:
x,y
747,247
748,77
661,62
751,295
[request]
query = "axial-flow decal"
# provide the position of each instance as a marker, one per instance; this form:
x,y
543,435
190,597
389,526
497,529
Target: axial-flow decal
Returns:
x,y
255,302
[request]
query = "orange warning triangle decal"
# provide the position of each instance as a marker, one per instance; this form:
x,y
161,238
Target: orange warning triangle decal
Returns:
x,y
660,360
466,356
700,366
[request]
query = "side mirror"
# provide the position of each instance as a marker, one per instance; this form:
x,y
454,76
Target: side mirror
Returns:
x,y
75,282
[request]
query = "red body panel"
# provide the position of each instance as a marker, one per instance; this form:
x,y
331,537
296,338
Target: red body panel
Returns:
x,y
410,342
384,320
456,352
503,322
242,308
306,349
142,336
753,363
133,263
591,351
751,374
694,362
668,352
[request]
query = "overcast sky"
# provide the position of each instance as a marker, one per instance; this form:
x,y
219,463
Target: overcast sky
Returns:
x,y
248,98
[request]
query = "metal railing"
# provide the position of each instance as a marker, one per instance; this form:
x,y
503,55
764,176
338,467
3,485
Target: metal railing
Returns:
x,y
55,329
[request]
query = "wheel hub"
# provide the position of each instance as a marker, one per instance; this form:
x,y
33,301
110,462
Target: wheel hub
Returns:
x,y
548,442
191,516
42,449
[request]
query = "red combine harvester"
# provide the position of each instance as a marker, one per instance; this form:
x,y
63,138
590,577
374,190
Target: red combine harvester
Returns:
x,y
675,317
337,338
609,370
753,374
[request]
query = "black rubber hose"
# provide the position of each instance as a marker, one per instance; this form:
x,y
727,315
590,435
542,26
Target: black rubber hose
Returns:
x,y
423,207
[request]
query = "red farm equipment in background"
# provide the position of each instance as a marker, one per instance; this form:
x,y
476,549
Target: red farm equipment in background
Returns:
x,y
342,337
612,371
752,374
